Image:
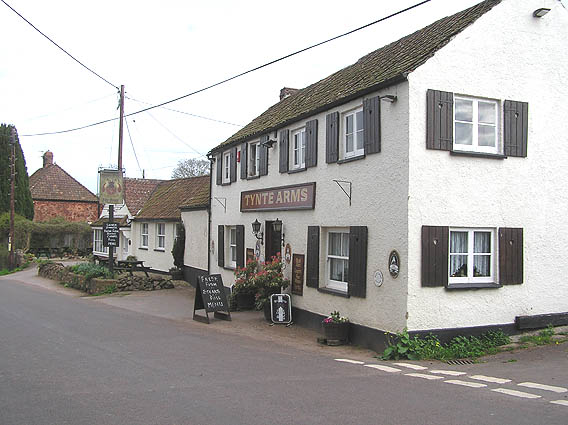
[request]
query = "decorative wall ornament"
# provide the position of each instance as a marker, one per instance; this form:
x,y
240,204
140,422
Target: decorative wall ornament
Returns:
x,y
378,278
394,264
288,253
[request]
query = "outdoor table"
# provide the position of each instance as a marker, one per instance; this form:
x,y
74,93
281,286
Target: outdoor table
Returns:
x,y
131,266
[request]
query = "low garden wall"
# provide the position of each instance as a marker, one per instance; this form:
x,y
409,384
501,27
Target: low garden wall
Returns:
x,y
125,282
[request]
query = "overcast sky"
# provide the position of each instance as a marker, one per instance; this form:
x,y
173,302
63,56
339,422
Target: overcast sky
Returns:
x,y
163,50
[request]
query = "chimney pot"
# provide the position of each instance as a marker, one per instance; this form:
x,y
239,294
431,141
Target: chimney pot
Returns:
x,y
47,159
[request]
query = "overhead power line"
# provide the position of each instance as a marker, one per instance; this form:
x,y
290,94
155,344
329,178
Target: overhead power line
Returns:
x,y
59,47
272,62
132,143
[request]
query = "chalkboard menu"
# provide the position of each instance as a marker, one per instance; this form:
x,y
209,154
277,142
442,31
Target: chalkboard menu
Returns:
x,y
110,234
210,296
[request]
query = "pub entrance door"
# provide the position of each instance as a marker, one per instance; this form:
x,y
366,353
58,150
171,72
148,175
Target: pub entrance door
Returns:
x,y
272,243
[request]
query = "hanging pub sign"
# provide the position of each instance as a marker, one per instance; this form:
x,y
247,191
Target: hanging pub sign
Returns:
x,y
280,308
111,187
110,234
294,197
298,274
210,296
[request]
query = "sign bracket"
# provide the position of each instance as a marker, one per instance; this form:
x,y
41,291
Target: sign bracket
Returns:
x,y
223,203
339,182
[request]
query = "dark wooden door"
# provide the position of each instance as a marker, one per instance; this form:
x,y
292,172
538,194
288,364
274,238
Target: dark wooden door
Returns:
x,y
272,243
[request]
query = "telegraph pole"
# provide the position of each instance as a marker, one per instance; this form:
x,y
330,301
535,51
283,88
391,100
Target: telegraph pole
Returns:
x,y
12,194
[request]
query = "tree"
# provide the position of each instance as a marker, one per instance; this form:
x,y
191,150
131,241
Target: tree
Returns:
x,y
190,168
24,204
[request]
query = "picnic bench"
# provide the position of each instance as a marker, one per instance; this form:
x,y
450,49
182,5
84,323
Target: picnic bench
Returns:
x,y
132,266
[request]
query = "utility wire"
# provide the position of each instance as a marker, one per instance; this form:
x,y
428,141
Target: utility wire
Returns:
x,y
242,73
176,136
132,143
59,47
70,108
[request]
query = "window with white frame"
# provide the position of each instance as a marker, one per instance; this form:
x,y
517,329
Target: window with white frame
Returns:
x,y
124,243
337,259
472,253
353,133
476,125
144,235
160,236
232,246
299,148
98,241
254,159
227,167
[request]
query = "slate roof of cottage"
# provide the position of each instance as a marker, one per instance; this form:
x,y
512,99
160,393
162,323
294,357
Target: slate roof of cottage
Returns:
x,y
53,183
170,195
383,67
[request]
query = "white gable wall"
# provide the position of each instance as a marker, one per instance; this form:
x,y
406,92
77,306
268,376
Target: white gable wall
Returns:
x,y
196,238
154,257
506,54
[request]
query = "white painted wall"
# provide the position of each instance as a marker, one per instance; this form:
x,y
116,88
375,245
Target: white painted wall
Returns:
x,y
506,54
379,201
196,238
154,257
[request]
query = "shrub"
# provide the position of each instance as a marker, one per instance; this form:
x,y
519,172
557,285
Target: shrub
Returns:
x,y
91,271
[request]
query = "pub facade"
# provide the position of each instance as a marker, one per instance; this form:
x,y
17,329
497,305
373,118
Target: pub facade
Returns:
x,y
394,188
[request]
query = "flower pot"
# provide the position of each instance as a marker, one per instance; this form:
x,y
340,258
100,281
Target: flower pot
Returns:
x,y
336,333
245,301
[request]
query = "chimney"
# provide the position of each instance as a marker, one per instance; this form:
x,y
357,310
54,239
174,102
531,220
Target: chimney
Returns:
x,y
286,91
47,159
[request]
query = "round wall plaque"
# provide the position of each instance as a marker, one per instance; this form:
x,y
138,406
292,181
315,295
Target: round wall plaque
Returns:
x,y
394,264
378,278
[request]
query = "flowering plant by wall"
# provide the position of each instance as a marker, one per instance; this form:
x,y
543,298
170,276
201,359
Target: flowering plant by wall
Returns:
x,y
245,282
270,280
335,317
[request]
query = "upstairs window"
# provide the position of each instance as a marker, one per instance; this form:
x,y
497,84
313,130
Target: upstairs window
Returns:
x,y
299,148
227,167
160,236
144,235
254,159
353,133
475,125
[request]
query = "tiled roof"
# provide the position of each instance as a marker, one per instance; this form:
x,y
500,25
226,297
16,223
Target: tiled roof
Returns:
x,y
170,195
53,183
383,67
138,191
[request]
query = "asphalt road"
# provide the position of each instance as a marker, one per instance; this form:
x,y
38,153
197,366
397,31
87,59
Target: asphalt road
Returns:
x,y
68,360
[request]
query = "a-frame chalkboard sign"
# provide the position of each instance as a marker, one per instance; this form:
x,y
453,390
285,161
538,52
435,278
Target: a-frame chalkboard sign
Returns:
x,y
210,296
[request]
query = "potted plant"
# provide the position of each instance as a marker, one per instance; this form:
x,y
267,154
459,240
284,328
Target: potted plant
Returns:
x,y
244,289
270,280
336,329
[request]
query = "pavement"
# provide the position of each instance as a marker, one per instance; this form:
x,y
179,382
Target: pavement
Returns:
x,y
177,305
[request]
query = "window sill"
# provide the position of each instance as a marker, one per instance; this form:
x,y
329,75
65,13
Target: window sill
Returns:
x,y
334,292
353,158
229,268
297,170
473,286
226,184
253,177
160,249
478,154
145,248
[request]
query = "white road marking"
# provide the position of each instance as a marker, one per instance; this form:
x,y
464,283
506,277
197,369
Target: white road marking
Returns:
x,y
423,376
490,379
448,372
465,383
543,387
561,402
383,368
515,393
411,366
349,361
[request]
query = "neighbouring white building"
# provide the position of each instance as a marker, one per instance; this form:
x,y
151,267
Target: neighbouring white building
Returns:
x,y
422,187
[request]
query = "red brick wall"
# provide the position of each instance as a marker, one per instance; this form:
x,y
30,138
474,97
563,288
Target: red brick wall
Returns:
x,y
71,211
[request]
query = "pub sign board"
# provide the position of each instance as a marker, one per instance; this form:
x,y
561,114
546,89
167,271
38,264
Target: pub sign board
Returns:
x,y
298,274
211,297
282,198
111,187
281,308
111,234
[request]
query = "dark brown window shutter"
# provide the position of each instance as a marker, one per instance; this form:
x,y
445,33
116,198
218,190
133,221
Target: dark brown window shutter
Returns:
x,y
510,256
312,257
221,245
263,157
435,240
372,125
244,163
233,166
439,120
311,143
515,125
357,278
240,245
284,151
219,169
332,137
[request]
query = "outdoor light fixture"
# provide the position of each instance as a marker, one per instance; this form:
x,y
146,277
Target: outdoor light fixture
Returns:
x,y
268,143
277,226
539,13
388,98
256,231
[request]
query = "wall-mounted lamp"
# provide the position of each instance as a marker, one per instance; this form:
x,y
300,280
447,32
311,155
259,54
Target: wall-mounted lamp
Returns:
x,y
388,98
539,13
268,143
256,231
277,226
